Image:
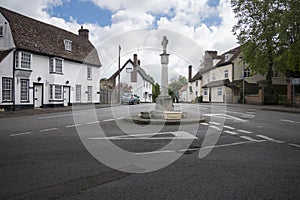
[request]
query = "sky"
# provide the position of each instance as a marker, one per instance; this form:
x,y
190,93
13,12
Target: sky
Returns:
x,y
192,26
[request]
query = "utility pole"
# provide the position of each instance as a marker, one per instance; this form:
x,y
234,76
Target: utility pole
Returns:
x,y
119,77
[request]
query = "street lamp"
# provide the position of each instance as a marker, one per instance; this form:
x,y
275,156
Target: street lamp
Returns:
x,y
119,77
243,80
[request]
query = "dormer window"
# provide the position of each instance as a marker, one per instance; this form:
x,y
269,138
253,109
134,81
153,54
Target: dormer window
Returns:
x,y
68,45
1,30
226,57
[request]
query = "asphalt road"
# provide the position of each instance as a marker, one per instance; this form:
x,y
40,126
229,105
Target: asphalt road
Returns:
x,y
239,153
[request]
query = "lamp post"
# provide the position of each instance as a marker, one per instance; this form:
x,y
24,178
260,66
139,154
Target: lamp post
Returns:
x,y
243,80
119,77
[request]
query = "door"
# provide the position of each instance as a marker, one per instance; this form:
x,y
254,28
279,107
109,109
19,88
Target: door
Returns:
x,y
66,96
38,95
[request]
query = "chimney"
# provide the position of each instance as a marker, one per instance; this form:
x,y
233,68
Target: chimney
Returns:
x,y
134,70
84,32
190,73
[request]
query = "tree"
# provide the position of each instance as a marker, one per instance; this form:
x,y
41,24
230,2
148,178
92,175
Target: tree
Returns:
x,y
176,85
155,91
268,32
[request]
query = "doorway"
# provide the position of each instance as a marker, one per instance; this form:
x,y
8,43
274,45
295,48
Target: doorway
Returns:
x,y
38,95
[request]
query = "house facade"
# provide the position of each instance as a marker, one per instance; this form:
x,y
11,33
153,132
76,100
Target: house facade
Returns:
x,y
132,77
44,66
225,77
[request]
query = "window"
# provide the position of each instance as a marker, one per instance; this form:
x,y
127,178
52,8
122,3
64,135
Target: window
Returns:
x,y
247,73
56,65
78,93
6,89
226,73
24,62
196,93
213,77
55,92
24,90
226,57
89,73
128,70
205,92
196,83
220,91
1,31
90,90
68,45
191,89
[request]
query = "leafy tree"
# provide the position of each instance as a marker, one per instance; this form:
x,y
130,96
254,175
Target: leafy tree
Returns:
x,y
268,31
155,91
176,85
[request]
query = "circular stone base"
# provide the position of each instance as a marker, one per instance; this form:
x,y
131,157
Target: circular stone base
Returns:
x,y
139,120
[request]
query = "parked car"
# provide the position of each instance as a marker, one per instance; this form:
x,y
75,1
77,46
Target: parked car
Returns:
x,y
130,98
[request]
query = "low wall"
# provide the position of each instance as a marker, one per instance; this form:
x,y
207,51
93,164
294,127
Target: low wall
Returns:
x,y
253,99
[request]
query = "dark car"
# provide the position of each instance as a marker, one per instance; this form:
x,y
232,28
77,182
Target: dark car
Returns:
x,y
130,98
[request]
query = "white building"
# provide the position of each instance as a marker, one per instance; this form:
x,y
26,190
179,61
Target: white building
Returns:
x,y
45,66
135,77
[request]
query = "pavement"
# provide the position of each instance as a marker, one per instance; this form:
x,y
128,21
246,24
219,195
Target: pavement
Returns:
x,y
26,112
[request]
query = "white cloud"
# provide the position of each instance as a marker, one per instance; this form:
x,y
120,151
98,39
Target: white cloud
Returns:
x,y
182,16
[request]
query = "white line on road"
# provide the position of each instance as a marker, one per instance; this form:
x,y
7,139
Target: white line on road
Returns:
x,y
204,123
215,127
294,145
231,132
215,123
194,149
17,134
119,118
244,131
48,129
251,139
183,135
73,125
96,122
270,139
108,120
229,127
290,121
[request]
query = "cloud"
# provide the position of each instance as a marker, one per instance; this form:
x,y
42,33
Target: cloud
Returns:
x,y
185,18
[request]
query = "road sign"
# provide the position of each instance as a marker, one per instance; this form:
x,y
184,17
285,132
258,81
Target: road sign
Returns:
x,y
295,81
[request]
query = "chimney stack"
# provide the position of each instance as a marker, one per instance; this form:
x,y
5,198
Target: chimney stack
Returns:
x,y
134,70
83,32
190,73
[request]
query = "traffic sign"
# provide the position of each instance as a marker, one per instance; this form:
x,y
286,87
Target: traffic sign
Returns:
x,y
295,81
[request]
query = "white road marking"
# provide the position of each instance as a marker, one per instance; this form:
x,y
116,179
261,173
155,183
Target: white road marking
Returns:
x,y
96,122
244,131
183,135
229,127
119,118
290,121
215,123
17,134
224,116
270,139
194,149
74,125
215,127
205,124
251,139
231,132
108,120
294,145
48,129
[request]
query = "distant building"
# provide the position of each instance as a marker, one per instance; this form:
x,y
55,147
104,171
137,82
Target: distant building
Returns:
x,y
221,79
134,77
44,66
